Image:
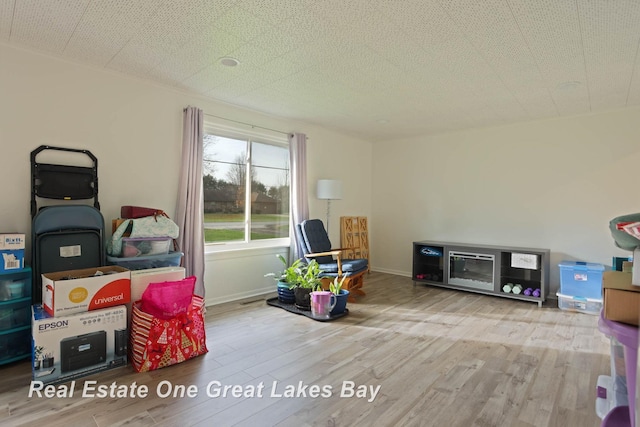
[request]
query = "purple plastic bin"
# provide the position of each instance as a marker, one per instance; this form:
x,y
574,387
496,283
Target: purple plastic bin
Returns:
x,y
627,335
617,417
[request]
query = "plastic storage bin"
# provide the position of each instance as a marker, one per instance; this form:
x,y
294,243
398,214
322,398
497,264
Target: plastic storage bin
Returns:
x,y
15,344
145,246
612,390
625,337
15,315
172,259
581,279
12,287
579,304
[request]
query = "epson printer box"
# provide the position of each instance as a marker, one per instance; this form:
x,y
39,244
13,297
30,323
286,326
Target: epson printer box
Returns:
x,y
65,348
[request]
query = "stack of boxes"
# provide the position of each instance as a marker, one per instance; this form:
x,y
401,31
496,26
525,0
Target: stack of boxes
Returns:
x,y
15,299
81,326
619,320
615,297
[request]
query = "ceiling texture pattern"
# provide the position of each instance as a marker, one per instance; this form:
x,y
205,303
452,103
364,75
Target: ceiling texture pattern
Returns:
x,y
375,69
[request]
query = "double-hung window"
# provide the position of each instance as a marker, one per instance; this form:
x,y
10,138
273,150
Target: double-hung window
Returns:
x,y
246,187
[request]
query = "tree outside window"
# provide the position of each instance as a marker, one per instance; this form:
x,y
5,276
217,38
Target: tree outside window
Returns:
x,y
246,189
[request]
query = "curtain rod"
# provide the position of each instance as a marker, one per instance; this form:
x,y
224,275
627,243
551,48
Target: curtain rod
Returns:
x,y
248,124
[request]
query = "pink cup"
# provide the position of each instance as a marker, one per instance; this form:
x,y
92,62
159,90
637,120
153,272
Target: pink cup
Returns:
x,y
322,302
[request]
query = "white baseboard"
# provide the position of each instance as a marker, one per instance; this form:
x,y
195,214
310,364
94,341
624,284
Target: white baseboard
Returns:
x,y
240,296
395,272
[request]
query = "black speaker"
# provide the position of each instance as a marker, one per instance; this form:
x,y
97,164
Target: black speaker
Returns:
x,y
120,341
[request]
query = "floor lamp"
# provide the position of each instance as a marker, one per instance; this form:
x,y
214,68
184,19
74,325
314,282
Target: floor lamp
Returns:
x,y
329,189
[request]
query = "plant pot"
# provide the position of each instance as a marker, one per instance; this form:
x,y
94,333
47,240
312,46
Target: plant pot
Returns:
x,y
341,302
47,362
285,294
302,298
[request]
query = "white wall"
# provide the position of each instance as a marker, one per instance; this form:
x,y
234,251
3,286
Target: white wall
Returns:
x,y
548,184
134,128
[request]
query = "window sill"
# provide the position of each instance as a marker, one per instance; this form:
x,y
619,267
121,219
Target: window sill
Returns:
x,y
215,248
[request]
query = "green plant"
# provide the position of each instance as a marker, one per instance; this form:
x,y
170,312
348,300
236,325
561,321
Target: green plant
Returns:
x,y
291,274
37,351
299,274
335,286
311,276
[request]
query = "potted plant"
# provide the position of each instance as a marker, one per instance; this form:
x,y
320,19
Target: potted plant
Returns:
x,y
296,282
308,282
342,295
287,279
37,356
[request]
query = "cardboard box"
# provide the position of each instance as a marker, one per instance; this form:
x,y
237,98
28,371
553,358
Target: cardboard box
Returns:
x,y
11,241
77,345
12,260
75,291
621,298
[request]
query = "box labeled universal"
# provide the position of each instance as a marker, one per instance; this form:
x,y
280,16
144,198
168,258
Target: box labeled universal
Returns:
x,y
11,241
76,291
77,345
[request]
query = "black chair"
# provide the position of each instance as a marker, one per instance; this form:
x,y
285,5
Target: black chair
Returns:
x,y
315,243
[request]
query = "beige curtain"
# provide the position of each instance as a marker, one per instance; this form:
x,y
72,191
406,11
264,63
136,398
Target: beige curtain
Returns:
x,y
299,192
190,206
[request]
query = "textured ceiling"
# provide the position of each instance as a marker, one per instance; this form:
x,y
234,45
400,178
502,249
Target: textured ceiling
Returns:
x,y
376,69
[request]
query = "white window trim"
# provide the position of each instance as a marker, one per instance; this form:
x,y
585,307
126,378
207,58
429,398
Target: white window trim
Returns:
x,y
260,135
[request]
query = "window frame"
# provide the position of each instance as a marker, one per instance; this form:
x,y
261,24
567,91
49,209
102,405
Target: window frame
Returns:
x,y
250,134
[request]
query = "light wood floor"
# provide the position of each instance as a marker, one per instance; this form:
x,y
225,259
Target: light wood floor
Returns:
x,y
439,357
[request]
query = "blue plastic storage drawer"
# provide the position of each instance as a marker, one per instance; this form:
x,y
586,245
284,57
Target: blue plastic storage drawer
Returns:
x,y
581,279
172,259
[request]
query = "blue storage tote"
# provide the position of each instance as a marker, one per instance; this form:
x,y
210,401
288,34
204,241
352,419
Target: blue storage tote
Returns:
x,y
172,259
581,279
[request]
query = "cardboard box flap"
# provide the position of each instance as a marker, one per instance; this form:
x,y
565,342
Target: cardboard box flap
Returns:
x,y
618,280
84,273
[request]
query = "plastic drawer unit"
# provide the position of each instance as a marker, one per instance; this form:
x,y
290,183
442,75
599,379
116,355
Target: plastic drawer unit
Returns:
x,y
15,315
624,359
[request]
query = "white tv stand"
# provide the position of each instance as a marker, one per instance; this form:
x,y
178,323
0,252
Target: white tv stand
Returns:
x,y
483,269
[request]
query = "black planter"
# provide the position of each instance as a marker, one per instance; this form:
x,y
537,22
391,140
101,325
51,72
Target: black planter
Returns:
x,y
47,362
303,298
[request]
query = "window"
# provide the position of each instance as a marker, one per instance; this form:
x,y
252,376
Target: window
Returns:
x,y
246,188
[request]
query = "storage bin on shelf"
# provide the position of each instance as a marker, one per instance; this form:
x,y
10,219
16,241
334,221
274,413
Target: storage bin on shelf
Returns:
x,y
145,246
171,259
579,304
581,279
15,315
15,344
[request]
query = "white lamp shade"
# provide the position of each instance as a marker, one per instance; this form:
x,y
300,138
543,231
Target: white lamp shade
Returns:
x,y
330,189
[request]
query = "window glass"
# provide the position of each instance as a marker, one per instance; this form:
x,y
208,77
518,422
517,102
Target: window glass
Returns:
x,y
246,189
269,191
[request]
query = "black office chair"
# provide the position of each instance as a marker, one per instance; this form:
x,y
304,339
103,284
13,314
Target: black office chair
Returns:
x,y
315,243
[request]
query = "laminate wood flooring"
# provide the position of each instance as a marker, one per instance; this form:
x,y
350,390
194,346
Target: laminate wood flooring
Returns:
x,y
404,356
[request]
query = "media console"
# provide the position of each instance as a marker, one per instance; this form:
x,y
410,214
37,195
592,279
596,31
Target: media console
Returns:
x,y
510,272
